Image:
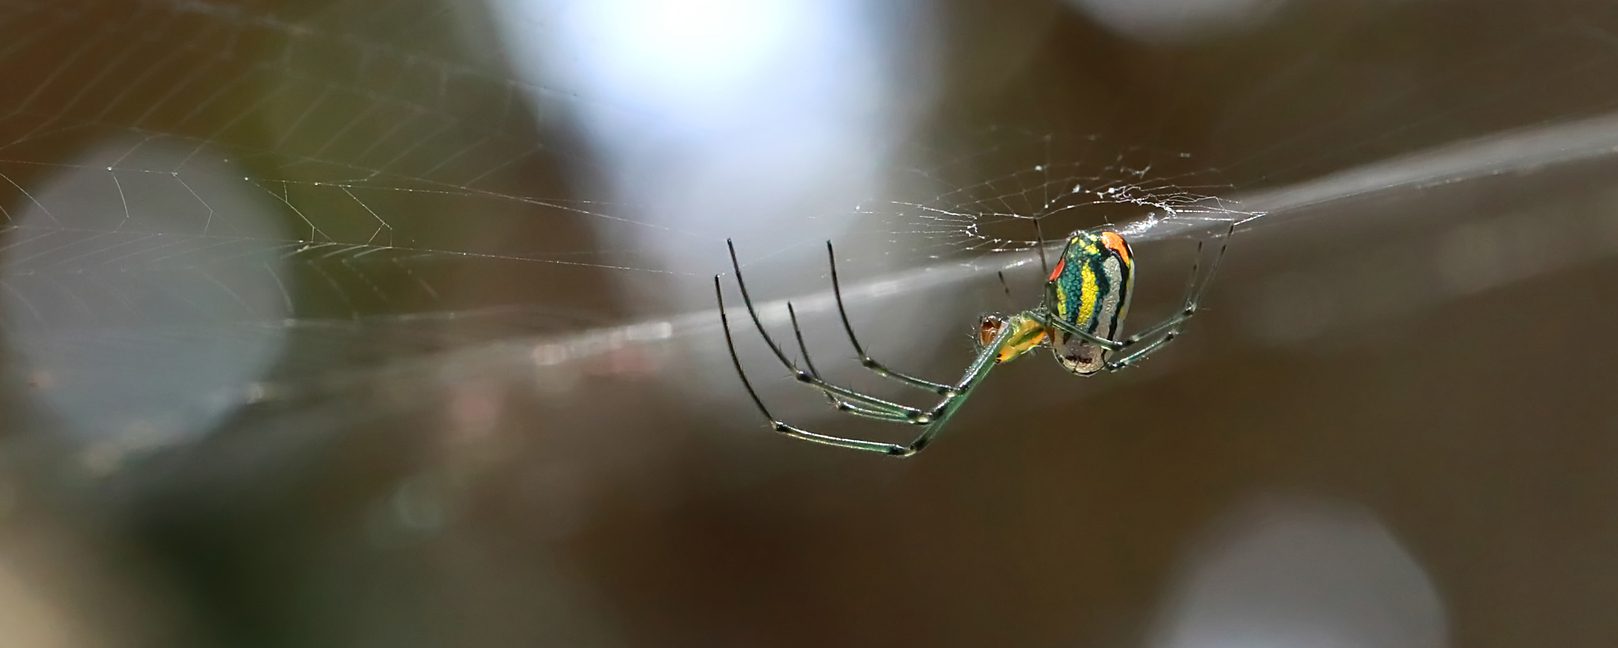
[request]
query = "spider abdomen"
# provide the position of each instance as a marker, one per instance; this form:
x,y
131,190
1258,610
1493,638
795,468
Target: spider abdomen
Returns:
x,y
1090,288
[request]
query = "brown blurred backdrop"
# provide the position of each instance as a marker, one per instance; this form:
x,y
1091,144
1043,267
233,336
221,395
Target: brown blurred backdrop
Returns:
x,y
334,324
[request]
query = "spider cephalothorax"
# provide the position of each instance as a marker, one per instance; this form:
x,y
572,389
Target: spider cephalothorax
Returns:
x,y
1025,334
1086,300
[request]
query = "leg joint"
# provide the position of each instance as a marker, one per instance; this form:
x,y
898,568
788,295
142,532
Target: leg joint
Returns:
x,y
918,445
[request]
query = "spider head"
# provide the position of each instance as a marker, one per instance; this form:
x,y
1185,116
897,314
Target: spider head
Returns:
x,y
1079,356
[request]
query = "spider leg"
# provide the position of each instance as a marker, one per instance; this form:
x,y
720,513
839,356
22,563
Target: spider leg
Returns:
x,y
933,420
1156,337
1050,319
1138,354
974,375
865,359
1198,283
804,376
841,405
777,424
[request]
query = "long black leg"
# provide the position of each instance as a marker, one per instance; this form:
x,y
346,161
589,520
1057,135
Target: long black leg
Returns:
x,y
777,424
974,375
836,402
1039,237
804,376
934,420
865,359
1195,286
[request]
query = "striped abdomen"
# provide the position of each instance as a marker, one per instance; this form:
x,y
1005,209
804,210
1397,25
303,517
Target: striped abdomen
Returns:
x,y
1091,285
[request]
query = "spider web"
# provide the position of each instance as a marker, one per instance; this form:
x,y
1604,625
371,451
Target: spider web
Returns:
x,y
320,192
1050,183
195,210
175,175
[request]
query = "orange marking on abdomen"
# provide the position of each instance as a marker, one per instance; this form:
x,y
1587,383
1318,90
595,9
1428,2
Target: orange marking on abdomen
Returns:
x,y
1057,271
1116,243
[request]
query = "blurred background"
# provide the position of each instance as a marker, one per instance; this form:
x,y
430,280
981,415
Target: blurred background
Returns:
x,y
391,323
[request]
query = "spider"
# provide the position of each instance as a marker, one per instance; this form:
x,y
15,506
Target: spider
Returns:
x,y
1086,300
